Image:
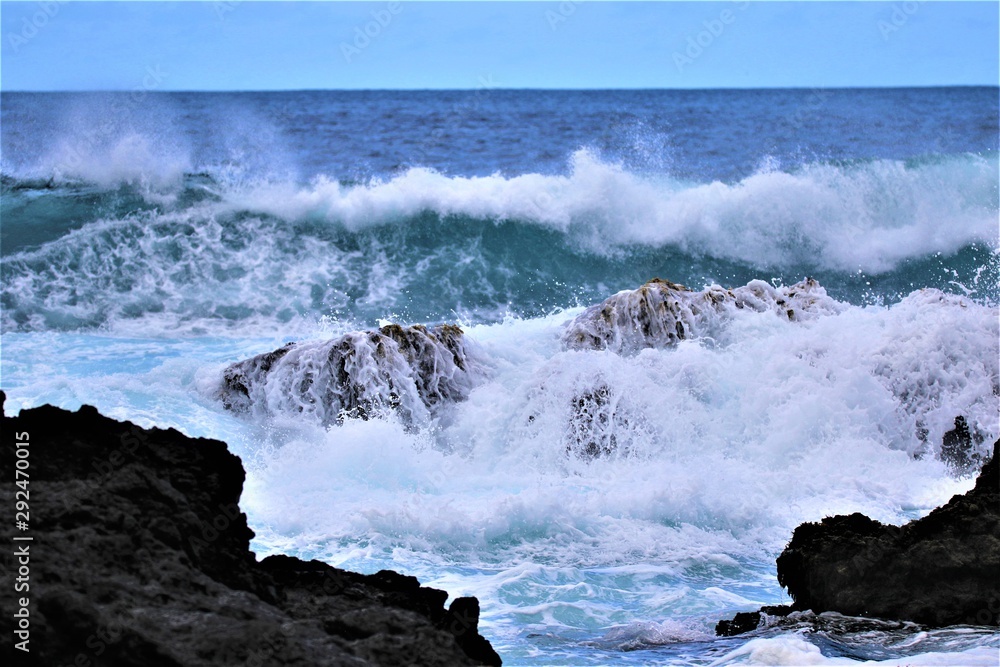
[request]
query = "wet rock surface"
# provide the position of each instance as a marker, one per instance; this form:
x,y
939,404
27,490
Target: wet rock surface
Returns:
x,y
140,556
747,621
943,569
661,313
959,446
410,371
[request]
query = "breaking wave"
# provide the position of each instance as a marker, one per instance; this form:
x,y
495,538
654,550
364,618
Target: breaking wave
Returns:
x,y
425,246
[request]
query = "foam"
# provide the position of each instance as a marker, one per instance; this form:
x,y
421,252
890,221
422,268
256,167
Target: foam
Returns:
x,y
273,255
731,443
870,216
718,446
795,651
188,270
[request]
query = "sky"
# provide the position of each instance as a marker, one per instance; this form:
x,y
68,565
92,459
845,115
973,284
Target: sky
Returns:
x,y
234,45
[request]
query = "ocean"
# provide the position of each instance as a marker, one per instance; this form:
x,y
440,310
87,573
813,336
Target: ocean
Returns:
x,y
151,239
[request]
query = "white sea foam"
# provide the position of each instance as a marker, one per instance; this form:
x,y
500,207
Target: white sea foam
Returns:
x,y
179,271
723,447
869,216
795,651
896,376
213,265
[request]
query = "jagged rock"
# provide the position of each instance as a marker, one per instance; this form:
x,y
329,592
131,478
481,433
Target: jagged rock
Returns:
x,y
828,623
661,313
410,370
747,621
589,435
943,569
959,446
744,621
140,556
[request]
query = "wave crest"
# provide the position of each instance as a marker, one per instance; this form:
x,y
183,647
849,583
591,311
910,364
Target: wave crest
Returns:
x,y
869,216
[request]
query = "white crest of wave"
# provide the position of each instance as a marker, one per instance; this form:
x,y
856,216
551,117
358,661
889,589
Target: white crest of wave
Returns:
x,y
867,216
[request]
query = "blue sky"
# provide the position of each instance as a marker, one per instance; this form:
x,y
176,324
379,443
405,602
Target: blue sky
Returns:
x,y
232,45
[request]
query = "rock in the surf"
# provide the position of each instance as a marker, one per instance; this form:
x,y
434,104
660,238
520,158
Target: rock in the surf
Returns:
x,y
141,556
409,370
661,313
593,428
748,621
960,446
943,569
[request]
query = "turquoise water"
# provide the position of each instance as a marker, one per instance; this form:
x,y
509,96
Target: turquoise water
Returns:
x,y
146,245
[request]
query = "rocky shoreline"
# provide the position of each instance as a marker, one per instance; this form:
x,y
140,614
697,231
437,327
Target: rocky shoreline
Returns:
x,y
943,569
140,556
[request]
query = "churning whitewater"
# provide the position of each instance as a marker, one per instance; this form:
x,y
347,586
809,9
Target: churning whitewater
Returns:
x,y
588,356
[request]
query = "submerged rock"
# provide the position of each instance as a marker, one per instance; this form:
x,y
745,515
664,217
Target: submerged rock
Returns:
x,y
959,446
410,370
934,375
662,313
589,435
140,556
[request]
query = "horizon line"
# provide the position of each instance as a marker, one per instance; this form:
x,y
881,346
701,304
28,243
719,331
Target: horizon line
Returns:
x,y
502,88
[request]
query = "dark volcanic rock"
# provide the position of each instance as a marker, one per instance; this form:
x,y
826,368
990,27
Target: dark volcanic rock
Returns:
x,y
140,556
747,621
959,446
744,621
941,570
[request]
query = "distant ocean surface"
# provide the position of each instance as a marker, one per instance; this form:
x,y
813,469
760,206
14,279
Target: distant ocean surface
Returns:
x,y
151,239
